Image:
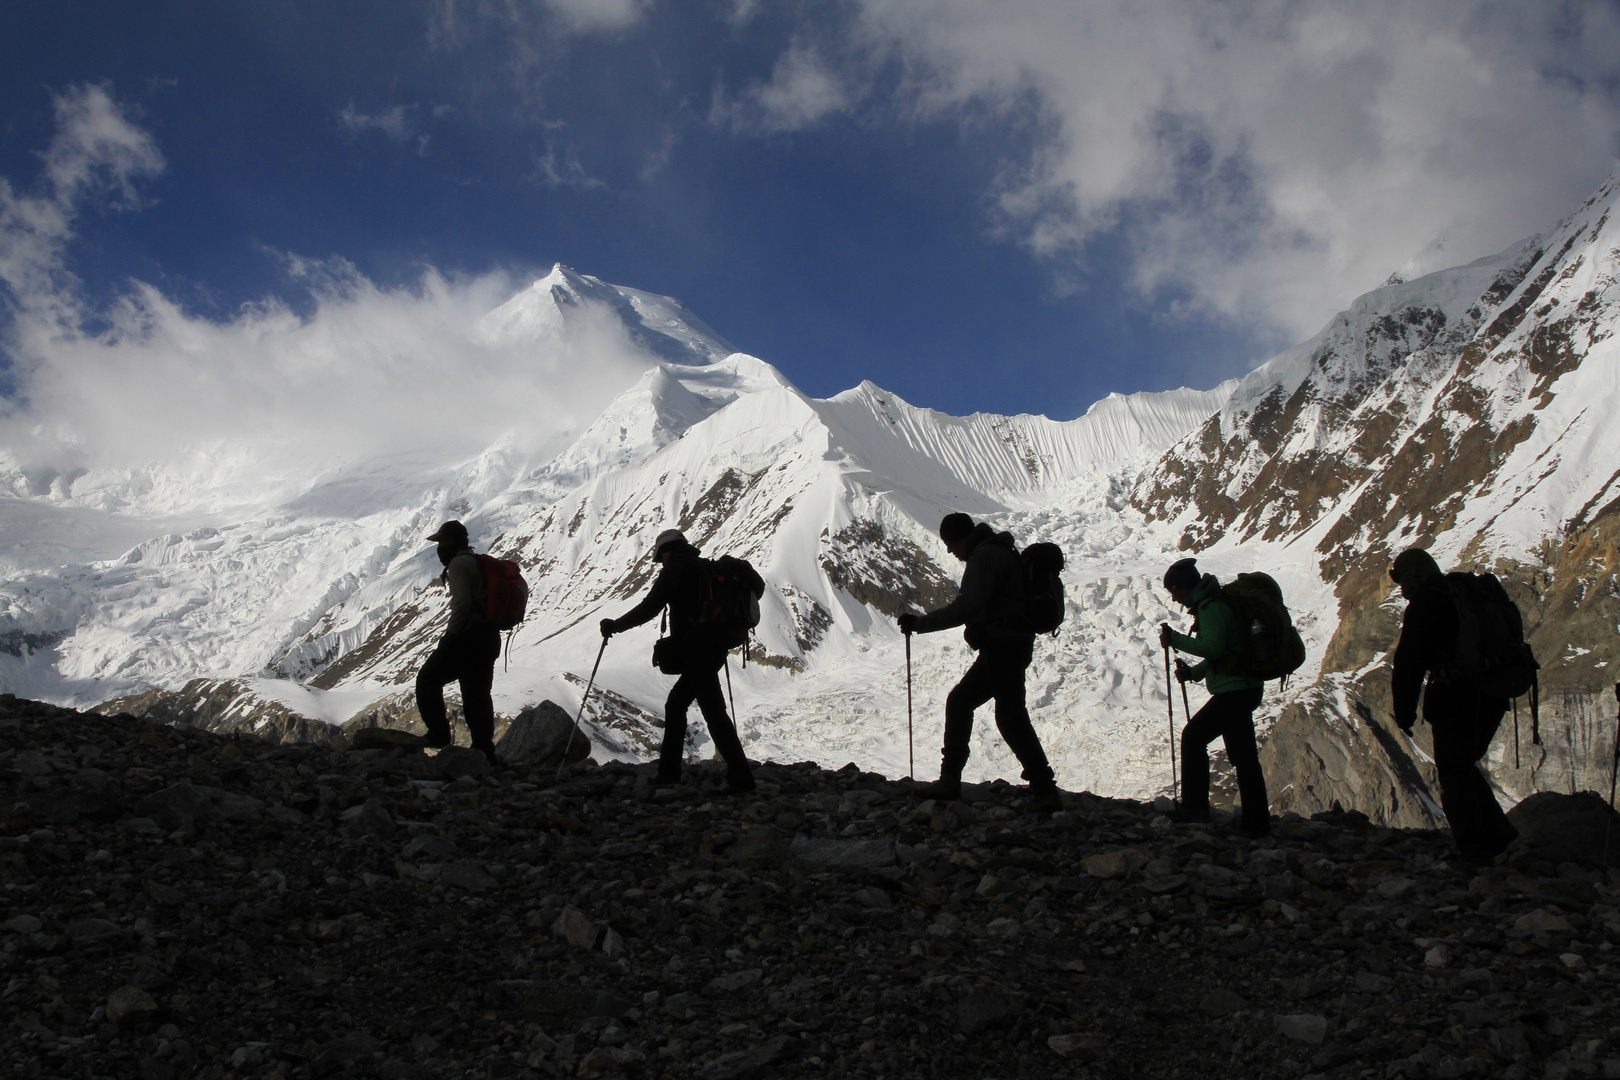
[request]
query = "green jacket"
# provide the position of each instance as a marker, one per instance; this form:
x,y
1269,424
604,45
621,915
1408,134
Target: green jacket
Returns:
x,y
1216,634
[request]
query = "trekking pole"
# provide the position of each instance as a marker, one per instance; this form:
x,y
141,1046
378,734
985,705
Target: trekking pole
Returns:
x,y
1614,772
729,694
911,756
1515,733
563,764
1170,704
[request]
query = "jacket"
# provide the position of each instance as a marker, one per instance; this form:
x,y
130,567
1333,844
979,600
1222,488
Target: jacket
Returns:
x,y
1427,645
676,587
469,596
1216,634
991,601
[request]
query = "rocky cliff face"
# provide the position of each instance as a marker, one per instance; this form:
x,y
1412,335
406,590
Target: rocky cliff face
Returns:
x,y
1467,412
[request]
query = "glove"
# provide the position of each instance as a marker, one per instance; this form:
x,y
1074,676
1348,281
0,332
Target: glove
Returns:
x,y
1406,724
1183,671
1164,635
608,627
908,623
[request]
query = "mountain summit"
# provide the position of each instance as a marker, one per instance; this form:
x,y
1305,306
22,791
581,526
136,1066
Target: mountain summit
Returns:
x,y
1465,410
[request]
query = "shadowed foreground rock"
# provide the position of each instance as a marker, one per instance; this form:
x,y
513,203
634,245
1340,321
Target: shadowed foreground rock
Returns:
x,y
177,904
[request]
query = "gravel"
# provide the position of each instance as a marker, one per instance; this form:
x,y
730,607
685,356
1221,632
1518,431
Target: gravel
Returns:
x,y
178,904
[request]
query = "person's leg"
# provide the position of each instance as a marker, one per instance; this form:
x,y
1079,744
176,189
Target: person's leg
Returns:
x,y
440,668
1008,663
1238,733
1478,826
711,702
673,750
477,677
1200,731
976,688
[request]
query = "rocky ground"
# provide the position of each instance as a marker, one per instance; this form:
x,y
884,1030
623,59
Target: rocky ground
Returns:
x,y
183,904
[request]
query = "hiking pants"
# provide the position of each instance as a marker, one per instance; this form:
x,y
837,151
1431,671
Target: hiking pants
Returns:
x,y
701,683
997,672
469,659
1229,716
1462,735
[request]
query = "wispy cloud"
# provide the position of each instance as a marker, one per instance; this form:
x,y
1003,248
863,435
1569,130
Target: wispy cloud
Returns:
x,y
563,170
803,89
1265,160
453,19
395,123
94,162
141,401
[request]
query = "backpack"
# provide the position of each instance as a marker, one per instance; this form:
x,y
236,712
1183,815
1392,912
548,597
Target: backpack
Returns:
x,y
729,591
1044,606
1491,654
506,594
1272,648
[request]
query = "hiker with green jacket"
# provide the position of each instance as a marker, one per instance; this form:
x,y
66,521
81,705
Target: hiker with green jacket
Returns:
x,y
1229,713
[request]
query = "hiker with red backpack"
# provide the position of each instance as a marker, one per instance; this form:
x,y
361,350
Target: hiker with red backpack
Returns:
x,y
487,595
1462,648
1223,639
699,639
994,606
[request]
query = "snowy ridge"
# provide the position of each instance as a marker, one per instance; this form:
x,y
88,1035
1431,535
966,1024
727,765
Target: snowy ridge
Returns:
x,y
331,591
1303,467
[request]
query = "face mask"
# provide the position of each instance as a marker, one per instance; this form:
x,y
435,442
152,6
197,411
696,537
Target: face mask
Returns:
x,y
446,553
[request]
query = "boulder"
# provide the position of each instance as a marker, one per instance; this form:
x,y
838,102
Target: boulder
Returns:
x,y
1114,864
381,738
540,734
1567,828
825,853
130,1005
984,1009
454,762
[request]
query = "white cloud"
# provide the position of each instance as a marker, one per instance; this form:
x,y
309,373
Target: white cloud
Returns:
x,y
803,89
563,170
450,17
1270,159
146,404
93,162
589,15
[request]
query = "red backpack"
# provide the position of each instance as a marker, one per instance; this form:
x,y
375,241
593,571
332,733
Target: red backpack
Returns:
x,y
506,593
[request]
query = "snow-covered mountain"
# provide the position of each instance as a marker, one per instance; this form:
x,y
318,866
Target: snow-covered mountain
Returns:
x,y
1469,411
1464,410
322,604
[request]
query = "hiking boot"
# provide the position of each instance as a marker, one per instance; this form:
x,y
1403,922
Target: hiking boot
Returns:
x,y
1182,815
1045,799
739,787
437,741
489,755
1258,830
945,789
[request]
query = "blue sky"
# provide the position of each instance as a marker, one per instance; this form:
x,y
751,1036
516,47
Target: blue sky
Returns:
x,y
1009,207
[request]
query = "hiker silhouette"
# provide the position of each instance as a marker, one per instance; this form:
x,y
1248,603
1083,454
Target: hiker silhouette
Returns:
x,y
691,652
1229,712
991,606
467,651
1462,711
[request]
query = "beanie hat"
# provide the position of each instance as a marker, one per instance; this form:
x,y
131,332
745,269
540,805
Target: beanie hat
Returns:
x,y
666,538
1183,574
1413,567
451,532
955,527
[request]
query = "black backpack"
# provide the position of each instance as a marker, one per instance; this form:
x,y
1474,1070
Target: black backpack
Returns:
x,y
1271,647
1491,654
1044,606
729,591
